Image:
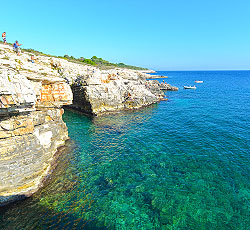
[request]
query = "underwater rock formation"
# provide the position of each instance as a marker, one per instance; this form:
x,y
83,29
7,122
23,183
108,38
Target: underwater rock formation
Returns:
x,y
31,125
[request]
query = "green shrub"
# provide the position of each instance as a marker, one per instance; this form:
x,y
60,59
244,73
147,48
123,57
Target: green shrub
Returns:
x,y
89,61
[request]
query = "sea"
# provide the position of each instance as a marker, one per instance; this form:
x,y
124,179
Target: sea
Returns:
x,y
181,164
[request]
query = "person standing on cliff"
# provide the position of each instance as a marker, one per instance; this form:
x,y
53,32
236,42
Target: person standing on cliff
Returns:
x,y
32,58
16,47
4,38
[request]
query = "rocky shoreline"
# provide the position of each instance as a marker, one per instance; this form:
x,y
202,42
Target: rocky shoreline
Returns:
x,y
31,100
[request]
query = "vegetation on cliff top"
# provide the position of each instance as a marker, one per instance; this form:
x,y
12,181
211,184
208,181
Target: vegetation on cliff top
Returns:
x,y
99,62
94,61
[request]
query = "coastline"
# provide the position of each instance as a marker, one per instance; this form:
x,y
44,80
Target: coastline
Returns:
x,y
156,77
31,100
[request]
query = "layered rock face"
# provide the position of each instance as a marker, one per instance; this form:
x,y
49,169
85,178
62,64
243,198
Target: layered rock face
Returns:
x,y
95,91
31,125
104,93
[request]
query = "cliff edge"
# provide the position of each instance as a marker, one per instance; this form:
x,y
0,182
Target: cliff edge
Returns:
x,y
31,125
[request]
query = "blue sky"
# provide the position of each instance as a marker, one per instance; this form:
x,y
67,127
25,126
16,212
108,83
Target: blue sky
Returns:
x,y
159,34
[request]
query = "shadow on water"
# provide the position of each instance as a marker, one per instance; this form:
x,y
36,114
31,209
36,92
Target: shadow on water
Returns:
x,y
41,211
27,216
5,200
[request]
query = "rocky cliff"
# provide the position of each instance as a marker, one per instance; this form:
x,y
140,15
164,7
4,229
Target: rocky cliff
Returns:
x,y
31,125
110,92
32,93
97,92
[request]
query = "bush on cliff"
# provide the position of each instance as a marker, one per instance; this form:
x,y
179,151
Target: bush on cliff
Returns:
x,y
95,61
89,61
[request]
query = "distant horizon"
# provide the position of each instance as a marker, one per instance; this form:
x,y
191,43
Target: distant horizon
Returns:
x,y
202,70
163,34
172,70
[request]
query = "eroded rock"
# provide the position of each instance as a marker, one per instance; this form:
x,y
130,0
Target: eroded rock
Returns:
x,y
31,125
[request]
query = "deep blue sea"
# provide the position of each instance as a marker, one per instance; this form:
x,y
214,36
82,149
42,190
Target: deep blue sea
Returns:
x,y
179,164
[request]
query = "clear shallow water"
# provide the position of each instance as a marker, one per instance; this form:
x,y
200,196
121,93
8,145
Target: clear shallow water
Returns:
x,y
181,164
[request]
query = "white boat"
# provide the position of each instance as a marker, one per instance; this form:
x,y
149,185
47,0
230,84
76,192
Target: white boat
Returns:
x,y
198,81
189,87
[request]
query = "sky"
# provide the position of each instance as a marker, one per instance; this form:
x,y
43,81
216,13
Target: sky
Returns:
x,y
156,34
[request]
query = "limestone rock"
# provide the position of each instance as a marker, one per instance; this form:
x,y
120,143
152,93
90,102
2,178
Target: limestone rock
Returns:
x,y
31,126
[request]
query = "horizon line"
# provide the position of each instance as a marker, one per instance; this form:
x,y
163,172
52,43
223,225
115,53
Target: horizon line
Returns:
x,y
209,70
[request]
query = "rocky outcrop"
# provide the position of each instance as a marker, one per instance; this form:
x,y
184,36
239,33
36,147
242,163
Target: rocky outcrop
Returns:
x,y
104,93
31,125
155,85
97,92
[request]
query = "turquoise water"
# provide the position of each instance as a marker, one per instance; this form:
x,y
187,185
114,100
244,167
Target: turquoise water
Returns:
x,y
180,164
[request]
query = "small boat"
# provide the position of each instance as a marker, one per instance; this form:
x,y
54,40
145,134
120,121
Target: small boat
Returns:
x,y
198,81
189,87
